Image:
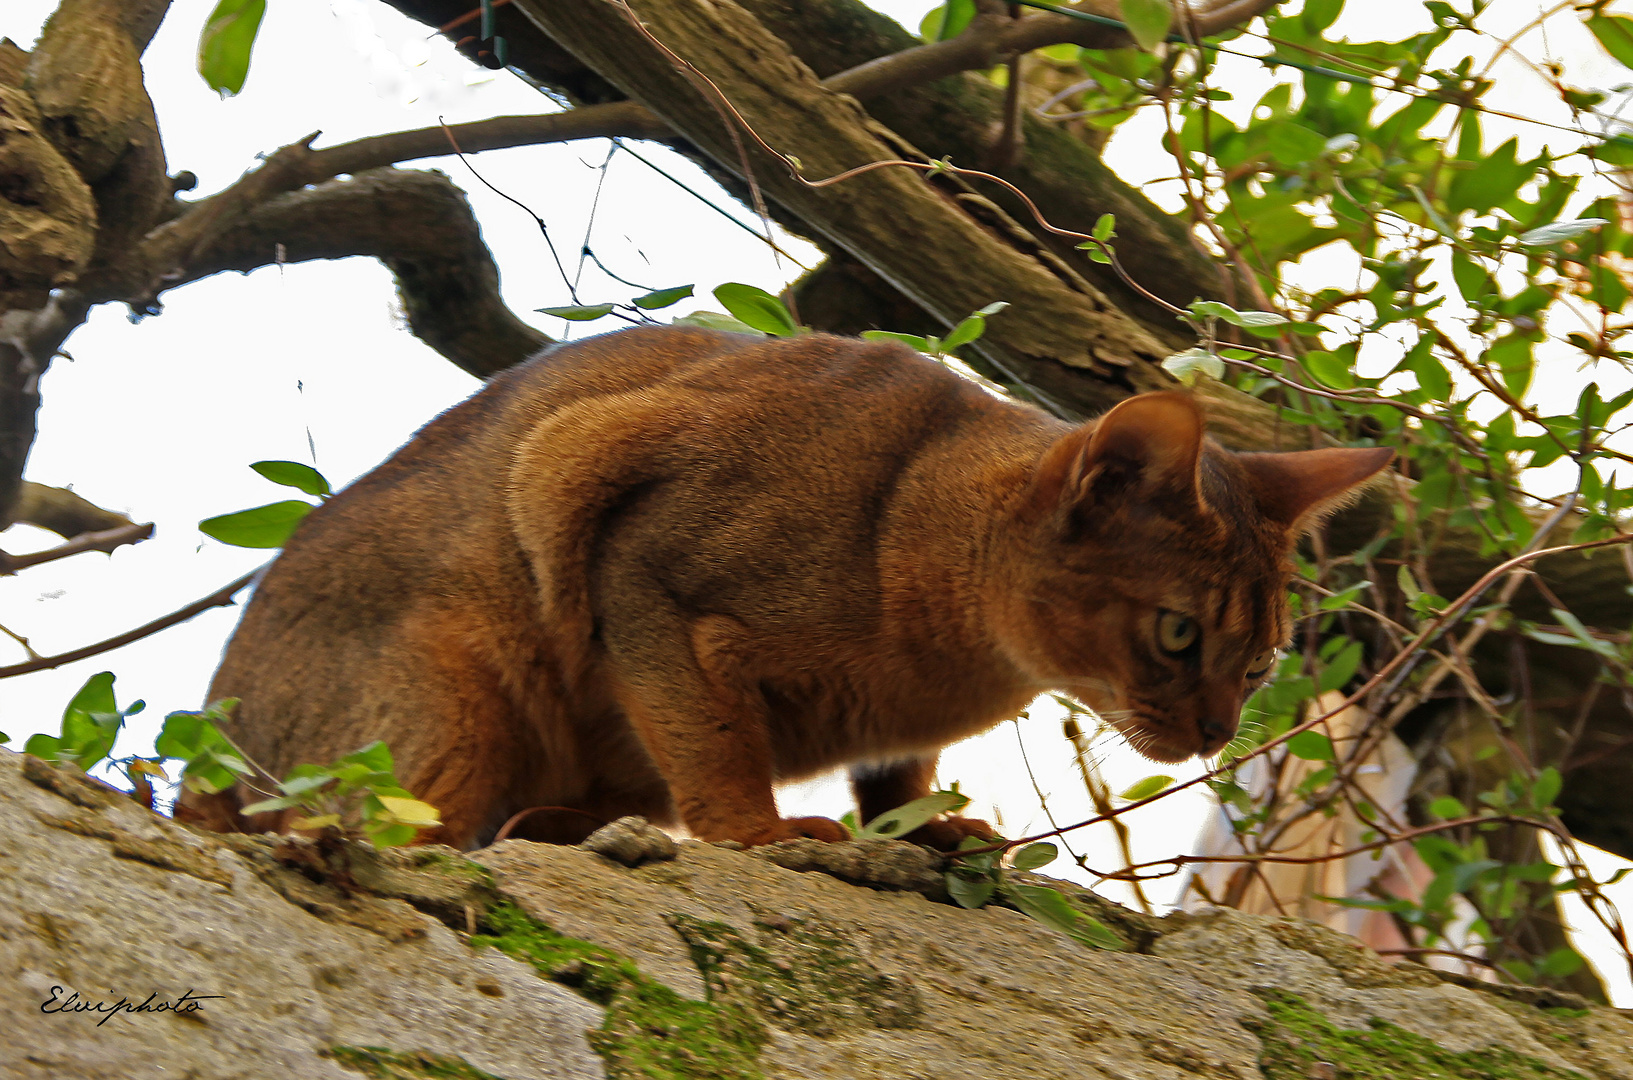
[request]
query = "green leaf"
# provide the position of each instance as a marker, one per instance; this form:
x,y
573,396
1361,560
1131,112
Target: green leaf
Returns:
x,y
1560,230
1408,584
1261,324
1615,33
267,526
45,747
577,312
1560,963
1471,277
294,474
1341,600
970,328
91,722
211,764
948,20
95,696
1054,910
1191,364
1341,668
1582,636
266,806
1616,150
757,308
1033,856
1431,374
1105,227
1293,144
300,785
1144,789
226,42
1492,182
1148,21
384,835
180,735
662,298
1329,369
714,320
904,819
376,757
912,341
1545,788
1311,746
1511,358
1448,808
1253,321
1319,14
413,812
969,892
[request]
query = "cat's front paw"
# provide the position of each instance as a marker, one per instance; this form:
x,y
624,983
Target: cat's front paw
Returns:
x,y
813,828
945,834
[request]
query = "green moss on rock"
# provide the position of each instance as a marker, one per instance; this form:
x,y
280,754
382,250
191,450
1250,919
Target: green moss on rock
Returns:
x,y
1296,1041
379,1063
802,975
650,1032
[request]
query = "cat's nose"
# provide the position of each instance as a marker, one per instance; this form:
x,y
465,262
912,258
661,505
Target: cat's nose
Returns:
x,y
1216,732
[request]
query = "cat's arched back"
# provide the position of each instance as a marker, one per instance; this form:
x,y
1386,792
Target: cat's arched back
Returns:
x,y
655,571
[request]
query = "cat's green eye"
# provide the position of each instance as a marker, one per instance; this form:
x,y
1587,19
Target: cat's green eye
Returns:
x,y
1259,666
1176,632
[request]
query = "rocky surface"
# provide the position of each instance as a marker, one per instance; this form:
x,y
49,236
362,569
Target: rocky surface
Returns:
x,y
803,960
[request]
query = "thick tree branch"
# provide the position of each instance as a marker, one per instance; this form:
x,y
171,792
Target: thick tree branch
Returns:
x,y
85,75
860,52
904,229
47,213
28,341
83,93
955,119
420,226
63,512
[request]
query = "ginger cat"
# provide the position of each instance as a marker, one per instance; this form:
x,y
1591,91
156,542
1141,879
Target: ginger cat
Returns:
x,y
657,570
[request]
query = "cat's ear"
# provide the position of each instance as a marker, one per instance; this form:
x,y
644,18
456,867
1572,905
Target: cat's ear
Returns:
x,y
1297,489
1147,446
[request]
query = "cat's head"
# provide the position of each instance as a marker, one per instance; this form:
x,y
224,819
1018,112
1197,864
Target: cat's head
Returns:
x,y
1149,576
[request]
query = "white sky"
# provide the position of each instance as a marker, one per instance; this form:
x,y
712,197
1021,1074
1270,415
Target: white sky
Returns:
x,y
161,419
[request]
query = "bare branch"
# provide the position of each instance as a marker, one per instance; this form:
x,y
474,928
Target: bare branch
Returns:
x,y
987,41
220,598
624,118
104,541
